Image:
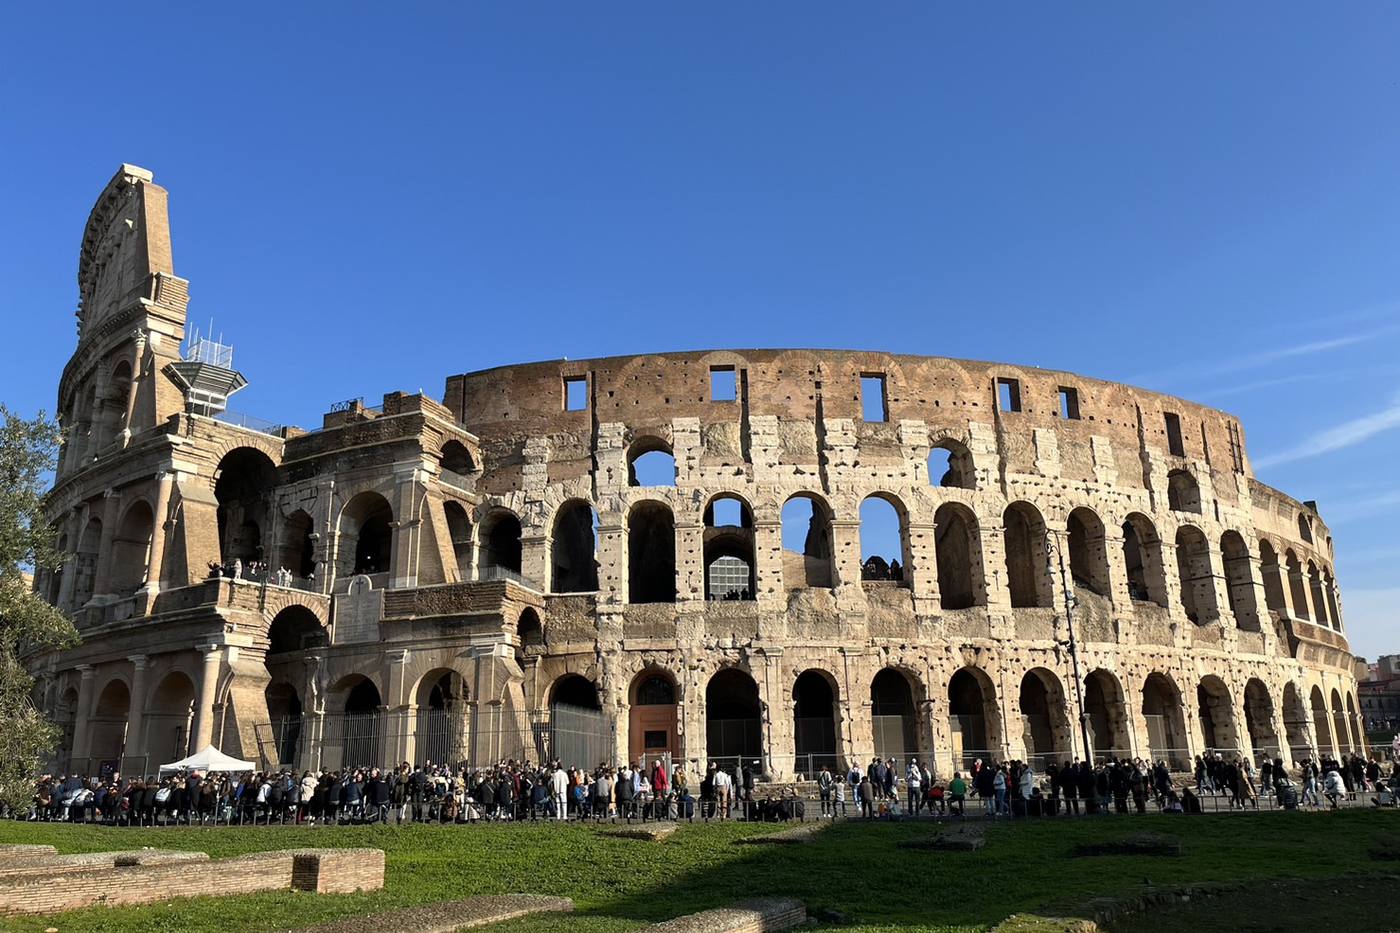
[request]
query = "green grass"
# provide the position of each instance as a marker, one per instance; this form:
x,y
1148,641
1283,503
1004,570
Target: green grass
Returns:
x,y
854,869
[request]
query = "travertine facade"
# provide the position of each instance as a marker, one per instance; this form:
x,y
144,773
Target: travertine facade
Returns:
x,y
469,578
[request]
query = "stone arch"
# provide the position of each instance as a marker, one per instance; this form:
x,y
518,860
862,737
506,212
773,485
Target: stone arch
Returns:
x,y
459,532
1023,534
1330,585
815,701
1142,555
244,483
884,537
498,537
108,723
353,726
1274,598
1183,492
297,544
1319,598
455,458
575,690
440,707
573,548
1304,528
118,393
894,714
366,535
1358,744
85,562
1088,551
529,631
733,717
295,629
1341,734
653,723
729,548
1239,581
131,548
1216,711
1295,722
284,718
974,717
1166,727
1322,723
958,552
1046,729
808,544
950,465
168,718
651,553
1193,566
1297,587
1107,709
650,462
1259,720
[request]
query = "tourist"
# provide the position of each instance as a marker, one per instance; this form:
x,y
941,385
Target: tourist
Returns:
x,y
913,780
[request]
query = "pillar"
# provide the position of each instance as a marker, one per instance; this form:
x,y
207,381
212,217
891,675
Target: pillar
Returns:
x,y
70,563
164,482
208,686
768,561
81,737
922,568
137,368
135,741
111,512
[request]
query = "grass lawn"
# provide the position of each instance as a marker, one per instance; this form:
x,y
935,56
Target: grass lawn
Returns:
x,y
854,869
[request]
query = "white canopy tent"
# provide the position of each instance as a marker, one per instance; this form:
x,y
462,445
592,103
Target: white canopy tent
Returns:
x,y
208,758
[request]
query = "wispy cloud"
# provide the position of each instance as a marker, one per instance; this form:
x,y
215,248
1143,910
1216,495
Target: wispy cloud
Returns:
x,y
1347,434
1363,506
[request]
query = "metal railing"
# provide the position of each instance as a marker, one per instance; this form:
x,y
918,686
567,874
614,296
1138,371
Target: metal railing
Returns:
x,y
496,574
251,422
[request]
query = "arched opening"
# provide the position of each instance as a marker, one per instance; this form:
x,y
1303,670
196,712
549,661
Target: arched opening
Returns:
x,y
107,735
894,718
651,553
55,576
578,728
1142,556
652,730
1319,598
456,462
1194,571
1273,578
650,463
1358,745
807,543
85,563
959,557
573,549
883,535
1259,720
66,718
1088,552
459,531
1305,528
1045,727
1216,712
168,718
729,549
298,547
950,465
500,542
1183,493
295,629
1239,581
733,718
973,716
529,631
1322,727
284,712
1296,586
1340,733
814,722
366,534
1108,716
1024,537
131,549
357,730
1166,728
441,700
1295,723
118,394
243,486
1330,585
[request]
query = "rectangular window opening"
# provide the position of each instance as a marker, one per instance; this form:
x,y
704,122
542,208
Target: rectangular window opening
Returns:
x,y
1009,394
723,384
873,404
575,393
1069,403
1174,442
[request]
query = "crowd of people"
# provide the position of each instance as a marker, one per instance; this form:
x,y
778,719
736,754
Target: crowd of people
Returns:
x,y
514,790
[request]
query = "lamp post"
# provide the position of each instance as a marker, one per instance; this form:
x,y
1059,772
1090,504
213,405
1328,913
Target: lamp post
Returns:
x,y
1055,554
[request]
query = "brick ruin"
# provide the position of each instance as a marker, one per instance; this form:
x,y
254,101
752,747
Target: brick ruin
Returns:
x,y
662,554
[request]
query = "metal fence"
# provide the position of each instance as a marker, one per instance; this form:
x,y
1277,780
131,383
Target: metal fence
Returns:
x,y
733,738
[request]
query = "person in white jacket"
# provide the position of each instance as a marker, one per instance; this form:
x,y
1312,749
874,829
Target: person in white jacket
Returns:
x,y
913,779
1333,787
1026,786
559,791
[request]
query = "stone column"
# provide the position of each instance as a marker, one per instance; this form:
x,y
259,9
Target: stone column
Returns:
x,y
400,712
101,583
70,563
611,551
164,483
768,561
135,741
845,558
208,686
137,368
82,738
690,560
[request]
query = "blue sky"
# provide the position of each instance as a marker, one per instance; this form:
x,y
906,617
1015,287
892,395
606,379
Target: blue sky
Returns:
x,y
1199,198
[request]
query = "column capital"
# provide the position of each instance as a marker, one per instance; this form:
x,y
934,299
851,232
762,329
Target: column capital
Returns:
x,y
139,661
210,650
397,656
87,670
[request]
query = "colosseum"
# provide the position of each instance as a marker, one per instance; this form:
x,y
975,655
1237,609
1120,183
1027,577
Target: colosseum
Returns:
x,y
666,554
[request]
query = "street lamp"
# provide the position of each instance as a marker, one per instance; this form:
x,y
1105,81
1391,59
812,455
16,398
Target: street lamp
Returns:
x,y
1055,554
